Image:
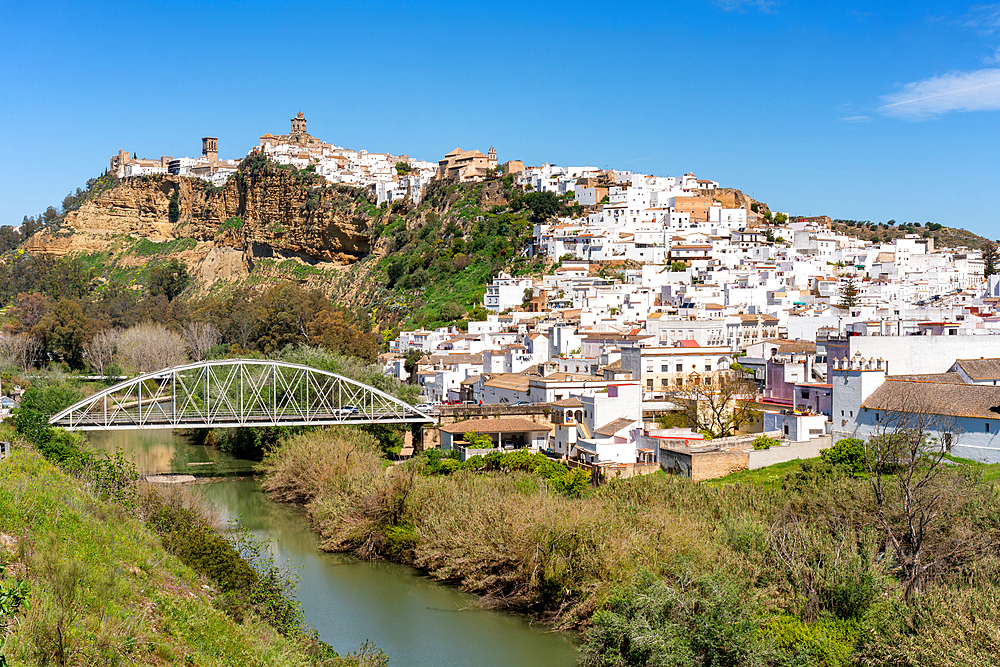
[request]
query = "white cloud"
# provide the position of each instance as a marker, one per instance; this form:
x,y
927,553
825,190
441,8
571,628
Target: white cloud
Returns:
x,y
743,5
856,119
992,59
954,91
983,17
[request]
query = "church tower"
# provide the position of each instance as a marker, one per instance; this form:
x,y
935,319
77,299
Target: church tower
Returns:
x,y
491,158
210,148
299,124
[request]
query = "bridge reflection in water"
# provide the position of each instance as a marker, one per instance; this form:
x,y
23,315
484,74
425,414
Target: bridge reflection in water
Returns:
x,y
233,393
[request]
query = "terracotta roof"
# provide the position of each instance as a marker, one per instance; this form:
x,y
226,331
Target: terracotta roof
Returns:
x,y
980,369
457,358
936,398
945,378
689,343
495,425
611,428
514,381
571,402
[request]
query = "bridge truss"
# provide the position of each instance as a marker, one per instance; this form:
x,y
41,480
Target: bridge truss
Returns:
x,y
235,393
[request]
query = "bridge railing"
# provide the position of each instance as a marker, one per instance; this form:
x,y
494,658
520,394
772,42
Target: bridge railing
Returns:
x,y
236,392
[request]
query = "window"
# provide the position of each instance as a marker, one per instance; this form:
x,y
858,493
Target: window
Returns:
x,y
852,413
708,367
679,382
680,368
665,368
805,393
987,427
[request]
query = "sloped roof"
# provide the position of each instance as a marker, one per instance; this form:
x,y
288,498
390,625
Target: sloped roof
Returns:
x,y
613,427
936,398
980,369
943,378
514,381
571,402
495,425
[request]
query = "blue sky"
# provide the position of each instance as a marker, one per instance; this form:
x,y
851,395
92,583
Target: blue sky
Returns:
x,y
855,110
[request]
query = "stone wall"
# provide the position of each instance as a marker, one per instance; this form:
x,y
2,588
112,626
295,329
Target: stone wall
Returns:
x,y
808,449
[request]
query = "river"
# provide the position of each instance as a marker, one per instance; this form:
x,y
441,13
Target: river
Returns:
x,y
416,621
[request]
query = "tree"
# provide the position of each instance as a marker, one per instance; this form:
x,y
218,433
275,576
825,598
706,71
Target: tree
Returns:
x,y
150,347
338,331
200,337
543,205
63,331
918,502
990,263
21,350
99,351
169,279
173,208
285,315
717,406
402,168
848,294
450,311
28,310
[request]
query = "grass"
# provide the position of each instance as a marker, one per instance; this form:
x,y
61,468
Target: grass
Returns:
x,y
103,590
770,476
991,471
147,248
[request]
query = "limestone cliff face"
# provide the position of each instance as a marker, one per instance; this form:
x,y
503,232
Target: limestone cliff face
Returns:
x,y
263,210
733,198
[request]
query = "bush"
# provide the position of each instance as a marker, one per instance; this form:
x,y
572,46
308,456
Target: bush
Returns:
x,y
647,622
478,440
764,442
849,452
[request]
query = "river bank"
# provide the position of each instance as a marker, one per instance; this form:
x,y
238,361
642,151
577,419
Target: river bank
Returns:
x,y
662,570
414,620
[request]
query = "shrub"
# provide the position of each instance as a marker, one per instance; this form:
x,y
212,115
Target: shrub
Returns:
x,y
764,442
849,452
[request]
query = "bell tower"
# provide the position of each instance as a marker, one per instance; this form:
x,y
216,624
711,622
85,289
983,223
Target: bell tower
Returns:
x,y
299,124
210,148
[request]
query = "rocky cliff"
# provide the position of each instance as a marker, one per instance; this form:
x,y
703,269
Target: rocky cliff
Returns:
x,y
263,211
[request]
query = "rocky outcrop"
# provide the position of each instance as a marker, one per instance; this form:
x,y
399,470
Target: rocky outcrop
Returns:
x,y
733,198
263,208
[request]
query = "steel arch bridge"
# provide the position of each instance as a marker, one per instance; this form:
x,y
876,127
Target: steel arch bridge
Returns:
x,y
234,393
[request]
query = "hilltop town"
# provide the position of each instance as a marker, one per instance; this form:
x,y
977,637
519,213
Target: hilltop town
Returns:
x,y
646,320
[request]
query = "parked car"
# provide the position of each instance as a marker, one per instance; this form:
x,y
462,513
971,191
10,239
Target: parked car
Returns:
x,y
522,403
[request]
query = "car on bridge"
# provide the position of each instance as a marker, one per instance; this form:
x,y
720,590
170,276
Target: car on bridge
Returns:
x,y
346,411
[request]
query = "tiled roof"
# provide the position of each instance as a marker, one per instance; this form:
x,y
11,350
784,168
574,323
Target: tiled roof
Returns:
x,y
571,402
495,425
514,381
611,428
980,369
935,398
944,378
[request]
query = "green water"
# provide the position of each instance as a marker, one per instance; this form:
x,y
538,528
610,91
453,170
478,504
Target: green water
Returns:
x,y
416,621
